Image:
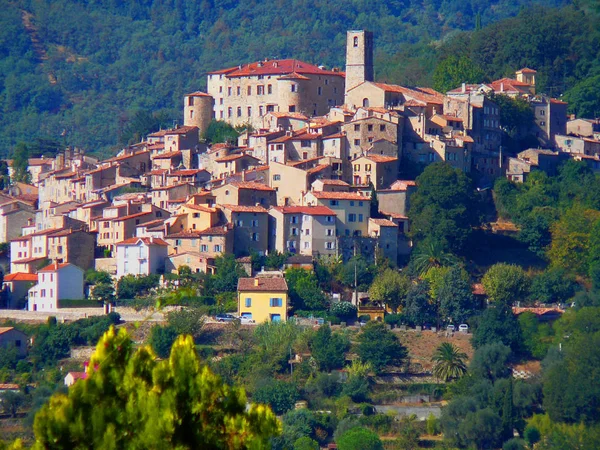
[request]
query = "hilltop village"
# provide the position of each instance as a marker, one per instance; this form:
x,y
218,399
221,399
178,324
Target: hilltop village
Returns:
x,y
320,148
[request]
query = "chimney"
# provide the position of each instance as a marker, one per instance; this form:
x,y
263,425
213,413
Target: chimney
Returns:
x,y
464,88
501,87
256,282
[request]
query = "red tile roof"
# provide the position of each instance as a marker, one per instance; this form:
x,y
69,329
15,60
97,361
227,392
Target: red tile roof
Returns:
x,y
234,157
427,95
19,276
379,158
245,208
167,155
527,70
131,216
334,182
339,196
293,76
200,208
216,231
251,185
145,240
54,267
308,210
275,67
383,222
271,284
181,130
199,94
185,172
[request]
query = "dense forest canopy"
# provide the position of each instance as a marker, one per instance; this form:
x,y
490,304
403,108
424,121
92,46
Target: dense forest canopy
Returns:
x,y
80,71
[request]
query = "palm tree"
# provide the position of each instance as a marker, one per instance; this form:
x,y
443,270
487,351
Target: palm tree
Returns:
x,y
449,362
431,254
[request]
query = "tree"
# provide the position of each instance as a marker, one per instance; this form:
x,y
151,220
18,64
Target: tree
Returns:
x,y
515,113
104,292
379,347
454,70
11,401
228,271
220,131
161,339
445,208
490,362
306,443
584,97
359,439
131,400
455,297
357,269
552,285
419,309
505,284
498,325
281,396
449,362
21,163
187,321
389,288
329,349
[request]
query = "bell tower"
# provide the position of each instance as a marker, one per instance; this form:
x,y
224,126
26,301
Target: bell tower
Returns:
x,y
359,58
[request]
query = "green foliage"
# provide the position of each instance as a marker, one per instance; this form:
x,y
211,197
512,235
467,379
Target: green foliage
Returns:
x,y
505,284
490,362
516,114
329,349
452,71
554,285
220,131
498,325
306,443
584,97
389,288
537,337
449,362
343,310
161,339
357,268
103,292
279,395
432,425
177,402
187,321
97,277
379,347
21,164
131,286
444,208
531,435
11,401
359,439
418,309
304,290
455,298
228,271
141,123
276,260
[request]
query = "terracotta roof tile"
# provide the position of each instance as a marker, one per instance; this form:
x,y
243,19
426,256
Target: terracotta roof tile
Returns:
x,y
276,67
307,210
245,208
274,284
339,196
145,240
20,276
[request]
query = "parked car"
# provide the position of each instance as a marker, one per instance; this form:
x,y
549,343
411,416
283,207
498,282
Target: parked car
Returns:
x,y
225,318
451,328
246,320
463,328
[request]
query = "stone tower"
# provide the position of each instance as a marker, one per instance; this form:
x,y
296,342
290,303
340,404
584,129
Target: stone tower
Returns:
x,y
359,58
198,110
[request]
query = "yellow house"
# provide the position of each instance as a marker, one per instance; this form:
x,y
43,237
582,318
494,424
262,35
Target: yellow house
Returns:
x,y
263,298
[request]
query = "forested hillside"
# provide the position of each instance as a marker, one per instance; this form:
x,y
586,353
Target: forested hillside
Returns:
x,y
79,71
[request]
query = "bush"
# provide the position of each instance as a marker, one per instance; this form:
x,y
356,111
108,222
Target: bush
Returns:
x,y
364,318
366,409
161,339
359,439
344,310
532,435
357,389
281,396
393,319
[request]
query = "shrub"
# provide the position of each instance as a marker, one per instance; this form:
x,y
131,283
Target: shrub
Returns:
x,y
393,319
280,395
344,310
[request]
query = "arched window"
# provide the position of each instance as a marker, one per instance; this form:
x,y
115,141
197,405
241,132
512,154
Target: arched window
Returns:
x,y
356,41
365,102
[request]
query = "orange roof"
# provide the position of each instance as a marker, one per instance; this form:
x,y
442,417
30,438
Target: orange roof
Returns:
x,y
251,185
421,94
307,210
245,208
120,219
19,276
293,76
234,157
218,230
291,115
318,168
200,208
167,155
334,182
54,267
537,311
379,158
145,240
275,67
383,222
181,130
273,284
199,94
185,172
339,196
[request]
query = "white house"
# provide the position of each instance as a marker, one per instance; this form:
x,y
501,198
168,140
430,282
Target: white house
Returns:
x,y
141,256
56,282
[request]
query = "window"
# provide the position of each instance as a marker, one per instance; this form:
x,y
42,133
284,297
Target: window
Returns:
x,y
196,215
249,111
292,108
270,108
356,127
307,232
319,90
360,217
351,202
381,127
221,101
333,203
190,101
269,89
255,237
352,217
239,223
369,127
356,141
305,144
229,112
217,248
329,232
294,231
542,123
43,293
293,87
248,302
239,111
543,112
249,90
261,110
220,114
360,203
220,89
177,242
276,177
229,91
239,90
329,245
18,343
368,167
260,90
307,245
329,219
255,223
275,302
356,167
356,41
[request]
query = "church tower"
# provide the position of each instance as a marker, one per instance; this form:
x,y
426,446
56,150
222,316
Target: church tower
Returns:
x,y
359,58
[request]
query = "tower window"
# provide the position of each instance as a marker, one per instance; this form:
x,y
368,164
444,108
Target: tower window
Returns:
x,y
356,41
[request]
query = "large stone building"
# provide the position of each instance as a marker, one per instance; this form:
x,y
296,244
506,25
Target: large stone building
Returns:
x,y
245,93
359,58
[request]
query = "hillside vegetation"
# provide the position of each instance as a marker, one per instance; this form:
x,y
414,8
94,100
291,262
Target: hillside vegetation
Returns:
x,y
79,71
